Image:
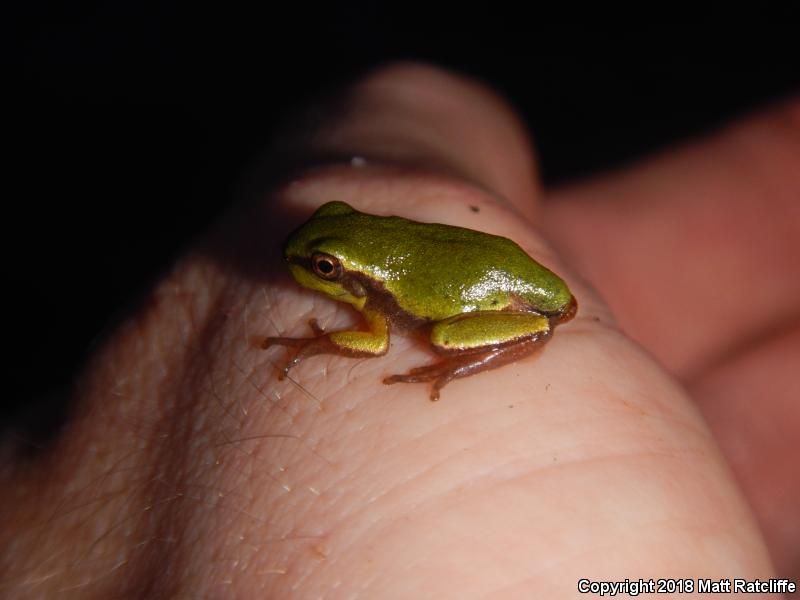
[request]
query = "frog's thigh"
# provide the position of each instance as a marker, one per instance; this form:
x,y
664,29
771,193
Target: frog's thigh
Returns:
x,y
471,332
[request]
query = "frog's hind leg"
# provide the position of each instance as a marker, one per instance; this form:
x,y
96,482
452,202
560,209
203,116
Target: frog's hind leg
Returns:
x,y
478,341
454,366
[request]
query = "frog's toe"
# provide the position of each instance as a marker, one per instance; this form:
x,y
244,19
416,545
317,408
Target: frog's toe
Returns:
x,y
303,348
417,375
442,381
440,373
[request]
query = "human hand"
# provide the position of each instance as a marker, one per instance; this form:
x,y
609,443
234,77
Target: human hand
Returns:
x,y
189,469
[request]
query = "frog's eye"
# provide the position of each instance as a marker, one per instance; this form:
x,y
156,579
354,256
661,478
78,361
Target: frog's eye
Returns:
x,y
326,266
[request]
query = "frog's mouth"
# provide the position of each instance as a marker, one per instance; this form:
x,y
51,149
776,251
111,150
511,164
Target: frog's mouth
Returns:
x,y
298,260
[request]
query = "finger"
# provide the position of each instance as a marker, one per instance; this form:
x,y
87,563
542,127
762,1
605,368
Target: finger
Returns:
x,y
696,251
422,116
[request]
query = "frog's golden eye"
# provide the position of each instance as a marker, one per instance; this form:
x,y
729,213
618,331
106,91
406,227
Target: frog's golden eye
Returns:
x,y
326,266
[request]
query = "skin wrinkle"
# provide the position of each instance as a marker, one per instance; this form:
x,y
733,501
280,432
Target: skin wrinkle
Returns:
x,y
379,535
348,475
247,381
227,454
433,432
457,489
359,474
228,410
579,557
398,448
611,459
299,436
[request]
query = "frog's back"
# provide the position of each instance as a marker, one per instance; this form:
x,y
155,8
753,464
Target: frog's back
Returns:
x,y
436,271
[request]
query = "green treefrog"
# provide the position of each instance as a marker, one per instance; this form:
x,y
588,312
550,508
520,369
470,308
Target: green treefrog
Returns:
x,y
479,299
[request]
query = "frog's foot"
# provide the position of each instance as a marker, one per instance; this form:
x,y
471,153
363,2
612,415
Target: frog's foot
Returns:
x,y
295,342
355,344
455,366
306,347
319,344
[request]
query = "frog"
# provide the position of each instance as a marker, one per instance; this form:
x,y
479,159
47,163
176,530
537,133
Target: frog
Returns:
x,y
479,300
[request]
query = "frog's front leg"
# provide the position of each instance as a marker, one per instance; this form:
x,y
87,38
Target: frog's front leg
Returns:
x,y
355,344
478,341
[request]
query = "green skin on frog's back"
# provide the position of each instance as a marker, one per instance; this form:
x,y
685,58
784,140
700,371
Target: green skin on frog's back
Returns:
x,y
482,299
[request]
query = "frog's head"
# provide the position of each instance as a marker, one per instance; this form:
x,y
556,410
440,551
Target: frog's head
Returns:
x,y
316,254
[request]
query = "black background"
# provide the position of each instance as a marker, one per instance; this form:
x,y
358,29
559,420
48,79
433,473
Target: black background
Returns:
x,y
127,125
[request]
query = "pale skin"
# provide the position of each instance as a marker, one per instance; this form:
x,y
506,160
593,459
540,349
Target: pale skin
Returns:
x,y
189,470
